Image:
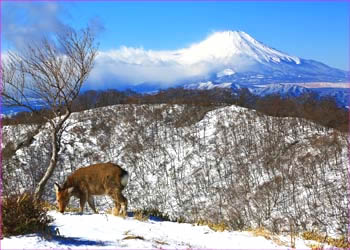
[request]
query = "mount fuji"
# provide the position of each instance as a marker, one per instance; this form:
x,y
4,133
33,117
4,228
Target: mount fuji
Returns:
x,y
241,59
225,59
226,56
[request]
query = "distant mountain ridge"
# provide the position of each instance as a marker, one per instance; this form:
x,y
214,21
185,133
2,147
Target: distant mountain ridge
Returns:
x,y
225,59
290,90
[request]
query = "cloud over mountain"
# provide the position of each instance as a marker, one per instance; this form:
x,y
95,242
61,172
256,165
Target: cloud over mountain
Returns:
x,y
234,49
221,52
137,65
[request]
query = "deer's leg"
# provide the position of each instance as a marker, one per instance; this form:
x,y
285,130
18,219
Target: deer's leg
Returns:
x,y
120,203
116,209
91,203
123,203
83,198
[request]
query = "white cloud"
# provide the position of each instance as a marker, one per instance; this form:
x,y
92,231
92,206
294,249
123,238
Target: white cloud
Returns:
x,y
27,22
136,65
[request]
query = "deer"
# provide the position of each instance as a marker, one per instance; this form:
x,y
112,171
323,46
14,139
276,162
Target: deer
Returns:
x,y
98,179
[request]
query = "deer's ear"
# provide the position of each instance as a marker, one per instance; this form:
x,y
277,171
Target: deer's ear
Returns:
x,y
70,190
57,187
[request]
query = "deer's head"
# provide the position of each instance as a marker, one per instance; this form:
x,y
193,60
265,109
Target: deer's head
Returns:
x,y
62,196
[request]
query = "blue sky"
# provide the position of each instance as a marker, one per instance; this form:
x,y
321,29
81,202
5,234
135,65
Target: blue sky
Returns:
x,y
307,29
315,30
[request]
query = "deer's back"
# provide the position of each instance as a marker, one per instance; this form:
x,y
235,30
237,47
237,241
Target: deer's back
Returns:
x,y
98,179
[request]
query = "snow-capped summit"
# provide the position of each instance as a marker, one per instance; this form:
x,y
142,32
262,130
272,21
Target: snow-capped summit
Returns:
x,y
228,45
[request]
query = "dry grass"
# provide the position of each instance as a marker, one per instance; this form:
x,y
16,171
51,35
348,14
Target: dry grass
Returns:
x,y
50,206
324,239
141,216
316,247
72,209
267,235
133,237
161,242
23,214
217,227
129,236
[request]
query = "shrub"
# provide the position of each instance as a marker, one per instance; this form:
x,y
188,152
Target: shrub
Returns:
x,y
22,214
141,215
151,213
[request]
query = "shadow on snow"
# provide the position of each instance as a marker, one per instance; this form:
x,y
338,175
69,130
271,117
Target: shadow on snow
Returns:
x,y
75,241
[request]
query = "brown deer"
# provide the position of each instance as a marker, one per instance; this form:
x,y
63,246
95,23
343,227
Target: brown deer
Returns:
x,y
99,179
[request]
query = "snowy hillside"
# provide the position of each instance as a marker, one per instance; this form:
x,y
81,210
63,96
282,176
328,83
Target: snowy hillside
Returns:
x,y
224,164
102,231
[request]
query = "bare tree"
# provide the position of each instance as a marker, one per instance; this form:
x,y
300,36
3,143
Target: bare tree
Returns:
x,y
52,73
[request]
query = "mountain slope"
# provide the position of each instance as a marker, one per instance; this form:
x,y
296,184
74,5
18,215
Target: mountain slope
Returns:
x,y
229,164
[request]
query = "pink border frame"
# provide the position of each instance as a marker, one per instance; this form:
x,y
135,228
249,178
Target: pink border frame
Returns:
x,y
348,193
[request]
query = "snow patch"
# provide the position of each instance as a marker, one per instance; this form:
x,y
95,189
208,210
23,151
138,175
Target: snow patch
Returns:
x,y
103,231
208,85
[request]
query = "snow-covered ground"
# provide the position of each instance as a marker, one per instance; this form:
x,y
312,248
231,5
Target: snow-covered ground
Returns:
x,y
104,231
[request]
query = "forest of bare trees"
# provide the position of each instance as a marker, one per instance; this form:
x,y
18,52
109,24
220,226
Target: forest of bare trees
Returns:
x,y
324,111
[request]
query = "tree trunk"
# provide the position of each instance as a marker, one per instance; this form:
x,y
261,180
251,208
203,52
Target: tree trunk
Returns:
x,y
39,190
